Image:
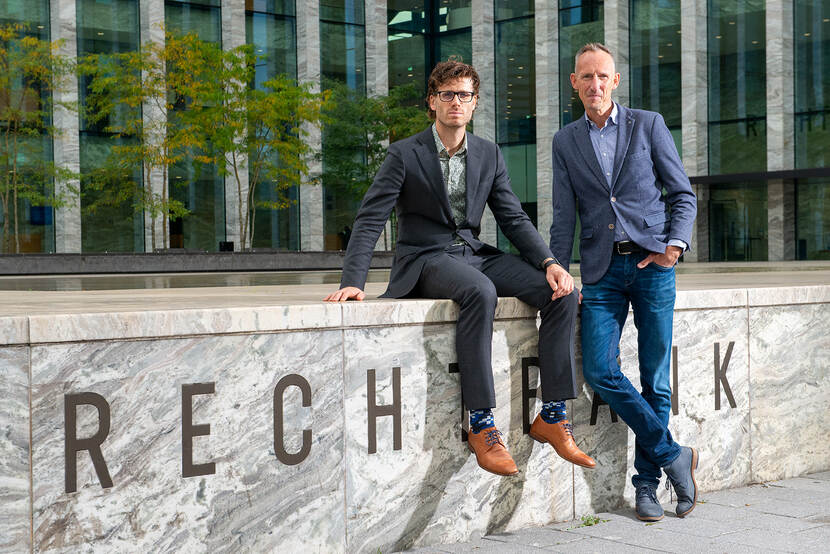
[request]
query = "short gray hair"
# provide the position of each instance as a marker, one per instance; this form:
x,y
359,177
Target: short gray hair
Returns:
x,y
593,47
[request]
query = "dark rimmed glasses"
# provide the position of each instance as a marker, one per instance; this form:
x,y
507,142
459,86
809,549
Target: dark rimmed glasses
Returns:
x,y
448,95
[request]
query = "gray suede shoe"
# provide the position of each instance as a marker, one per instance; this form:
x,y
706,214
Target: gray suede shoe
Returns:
x,y
648,507
681,474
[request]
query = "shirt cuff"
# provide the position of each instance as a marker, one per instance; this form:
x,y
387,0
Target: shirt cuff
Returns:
x,y
680,243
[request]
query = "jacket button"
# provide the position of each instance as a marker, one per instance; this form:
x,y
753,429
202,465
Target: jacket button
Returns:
x,y
610,225
613,199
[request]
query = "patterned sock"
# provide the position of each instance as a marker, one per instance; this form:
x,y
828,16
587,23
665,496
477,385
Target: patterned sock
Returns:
x,y
554,412
481,419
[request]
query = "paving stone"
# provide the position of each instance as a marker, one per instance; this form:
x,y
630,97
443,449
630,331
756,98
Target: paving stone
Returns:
x,y
699,526
593,545
542,537
784,508
763,538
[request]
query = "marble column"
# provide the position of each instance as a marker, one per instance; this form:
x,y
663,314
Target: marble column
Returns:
x,y
308,71
694,102
781,220
233,36
484,60
152,30
616,38
66,142
377,72
546,21
780,129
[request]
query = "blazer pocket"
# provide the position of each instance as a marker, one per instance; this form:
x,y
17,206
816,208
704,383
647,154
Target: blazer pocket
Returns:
x,y
656,218
638,154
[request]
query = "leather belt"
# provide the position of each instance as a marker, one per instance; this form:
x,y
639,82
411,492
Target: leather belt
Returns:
x,y
625,247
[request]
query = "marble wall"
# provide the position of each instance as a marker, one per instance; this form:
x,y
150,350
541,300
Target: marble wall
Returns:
x,y
339,429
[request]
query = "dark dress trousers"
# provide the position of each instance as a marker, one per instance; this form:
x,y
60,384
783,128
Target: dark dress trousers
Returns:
x,y
428,264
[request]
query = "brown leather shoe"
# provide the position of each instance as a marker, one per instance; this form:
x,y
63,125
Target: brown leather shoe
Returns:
x,y
560,436
491,454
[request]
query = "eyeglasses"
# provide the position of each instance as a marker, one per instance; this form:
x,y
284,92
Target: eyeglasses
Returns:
x,y
448,95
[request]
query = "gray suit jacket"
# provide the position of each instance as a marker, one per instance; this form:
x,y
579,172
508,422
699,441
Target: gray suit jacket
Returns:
x,y
410,180
646,162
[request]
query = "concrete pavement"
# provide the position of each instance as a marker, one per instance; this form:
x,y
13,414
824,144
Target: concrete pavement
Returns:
x,y
792,515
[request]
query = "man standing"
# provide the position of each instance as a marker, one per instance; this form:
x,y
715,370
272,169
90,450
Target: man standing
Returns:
x,y
439,181
615,164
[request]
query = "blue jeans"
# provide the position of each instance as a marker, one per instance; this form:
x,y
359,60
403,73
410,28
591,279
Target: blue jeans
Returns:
x,y
651,293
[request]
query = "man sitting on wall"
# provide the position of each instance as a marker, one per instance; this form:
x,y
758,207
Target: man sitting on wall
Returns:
x,y
439,181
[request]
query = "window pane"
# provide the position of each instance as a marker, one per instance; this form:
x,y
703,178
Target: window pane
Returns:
x,y
738,222
275,39
277,7
343,11
516,81
579,24
109,221
812,83
655,60
343,54
737,86
509,9
203,20
813,219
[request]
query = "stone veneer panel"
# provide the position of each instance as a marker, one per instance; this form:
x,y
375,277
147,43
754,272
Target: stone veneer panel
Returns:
x,y
15,520
695,84
546,21
432,491
721,436
789,350
253,501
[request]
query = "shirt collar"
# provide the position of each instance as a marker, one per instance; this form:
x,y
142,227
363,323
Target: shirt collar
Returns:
x,y
443,149
612,118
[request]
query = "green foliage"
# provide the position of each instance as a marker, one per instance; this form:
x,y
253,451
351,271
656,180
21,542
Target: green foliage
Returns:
x,y
139,98
590,520
31,72
254,136
357,130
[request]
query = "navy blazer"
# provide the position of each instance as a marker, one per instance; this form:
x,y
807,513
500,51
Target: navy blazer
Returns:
x,y
645,163
410,180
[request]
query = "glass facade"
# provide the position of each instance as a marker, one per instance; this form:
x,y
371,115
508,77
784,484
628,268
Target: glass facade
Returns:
x,y
515,55
580,22
271,27
654,61
35,224
202,192
109,223
812,231
424,34
342,60
738,222
737,86
811,35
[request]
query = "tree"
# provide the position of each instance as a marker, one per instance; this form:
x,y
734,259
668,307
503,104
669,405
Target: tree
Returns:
x,y
357,131
140,98
254,136
31,72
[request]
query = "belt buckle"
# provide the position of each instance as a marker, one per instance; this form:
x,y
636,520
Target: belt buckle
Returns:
x,y
617,246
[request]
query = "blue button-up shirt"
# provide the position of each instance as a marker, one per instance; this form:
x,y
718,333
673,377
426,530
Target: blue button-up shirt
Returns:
x,y
605,147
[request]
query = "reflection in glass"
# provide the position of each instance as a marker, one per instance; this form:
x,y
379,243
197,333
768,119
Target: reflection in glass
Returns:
x,y
580,22
271,29
108,224
812,233
737,86
422,35
516,103
343,60
202,192
36,230
812,83
655,61
738,222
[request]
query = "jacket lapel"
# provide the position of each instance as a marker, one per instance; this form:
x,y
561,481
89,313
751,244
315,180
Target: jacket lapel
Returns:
x,y
583,143
427,157
473,187
626,121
